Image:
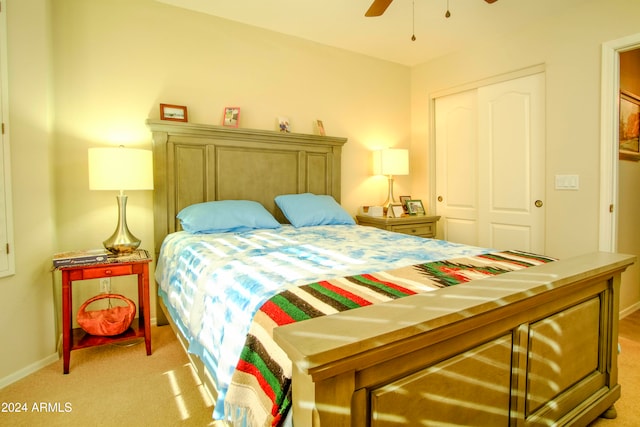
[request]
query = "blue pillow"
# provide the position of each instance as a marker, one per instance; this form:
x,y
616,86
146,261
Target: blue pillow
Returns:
x,y
225,215
303,210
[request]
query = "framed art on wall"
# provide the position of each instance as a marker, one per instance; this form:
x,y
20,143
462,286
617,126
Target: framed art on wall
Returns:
x,y
231,117
629,127
177,113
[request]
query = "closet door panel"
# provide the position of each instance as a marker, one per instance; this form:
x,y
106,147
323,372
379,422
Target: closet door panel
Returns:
x,y
456,167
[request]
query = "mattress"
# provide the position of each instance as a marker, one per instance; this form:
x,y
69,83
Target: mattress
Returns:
x,y
213,285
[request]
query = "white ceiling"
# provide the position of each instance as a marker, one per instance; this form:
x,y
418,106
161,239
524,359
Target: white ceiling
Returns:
x,y
341,23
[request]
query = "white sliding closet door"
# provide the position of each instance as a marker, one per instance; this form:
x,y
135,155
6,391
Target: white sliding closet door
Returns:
x,y
490,165
457,167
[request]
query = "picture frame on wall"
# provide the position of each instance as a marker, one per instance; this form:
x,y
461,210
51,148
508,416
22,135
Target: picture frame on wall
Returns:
x,y
231,117
415,207
176,113
629,126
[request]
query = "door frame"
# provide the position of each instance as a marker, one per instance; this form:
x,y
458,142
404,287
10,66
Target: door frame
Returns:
x,y
610,89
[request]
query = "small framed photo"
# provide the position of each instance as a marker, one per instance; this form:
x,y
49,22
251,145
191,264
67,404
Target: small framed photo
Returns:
x,y
231,117
415,207
403,201
320,128
395,211
284,125
177,113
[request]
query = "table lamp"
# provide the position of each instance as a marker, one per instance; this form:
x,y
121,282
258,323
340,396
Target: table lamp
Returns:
x,y
390,162
120,168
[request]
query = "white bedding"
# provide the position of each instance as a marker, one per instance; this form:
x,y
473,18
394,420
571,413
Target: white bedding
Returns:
x,y
213,284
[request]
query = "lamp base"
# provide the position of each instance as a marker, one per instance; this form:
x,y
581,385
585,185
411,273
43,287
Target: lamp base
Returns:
x,y
120,248
122,241
390,199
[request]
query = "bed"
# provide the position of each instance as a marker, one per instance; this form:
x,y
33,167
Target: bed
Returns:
x,y
528,346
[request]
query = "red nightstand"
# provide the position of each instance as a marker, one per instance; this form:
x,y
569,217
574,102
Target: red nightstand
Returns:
x,y
73,339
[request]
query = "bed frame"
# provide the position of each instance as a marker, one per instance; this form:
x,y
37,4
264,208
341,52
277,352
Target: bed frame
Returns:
x,y
527,348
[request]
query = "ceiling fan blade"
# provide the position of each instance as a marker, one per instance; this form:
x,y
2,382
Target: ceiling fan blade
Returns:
x,y
378,7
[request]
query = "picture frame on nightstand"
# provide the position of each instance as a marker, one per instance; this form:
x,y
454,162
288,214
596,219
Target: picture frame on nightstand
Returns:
x,y
415,207
403,202
395,211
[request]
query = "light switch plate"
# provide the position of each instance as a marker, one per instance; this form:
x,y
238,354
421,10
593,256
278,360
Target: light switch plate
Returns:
x,y
567,182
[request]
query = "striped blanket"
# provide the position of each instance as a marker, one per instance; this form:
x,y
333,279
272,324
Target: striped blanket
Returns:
x,y
261,382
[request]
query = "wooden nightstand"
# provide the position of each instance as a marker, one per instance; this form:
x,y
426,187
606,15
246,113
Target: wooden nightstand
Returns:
x,y
416,225
73,339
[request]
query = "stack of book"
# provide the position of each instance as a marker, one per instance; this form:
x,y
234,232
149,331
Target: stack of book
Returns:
x,y
90,256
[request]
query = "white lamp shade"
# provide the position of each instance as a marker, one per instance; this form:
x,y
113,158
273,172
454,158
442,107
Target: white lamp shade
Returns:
x,y
391,161
120,168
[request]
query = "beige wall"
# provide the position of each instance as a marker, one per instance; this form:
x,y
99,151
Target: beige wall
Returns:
x,y
116,61
569,45
26,299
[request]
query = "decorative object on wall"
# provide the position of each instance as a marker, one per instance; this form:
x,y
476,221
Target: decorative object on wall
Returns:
x,y
231,117
177,113
283,124
391,161
415,207
320,127
629,138
119,168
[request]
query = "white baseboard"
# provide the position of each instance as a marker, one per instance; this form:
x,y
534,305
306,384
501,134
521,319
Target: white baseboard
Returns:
x,y
632,309
28,370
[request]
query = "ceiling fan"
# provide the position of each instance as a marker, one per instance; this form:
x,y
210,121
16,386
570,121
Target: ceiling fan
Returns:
x,y
378,7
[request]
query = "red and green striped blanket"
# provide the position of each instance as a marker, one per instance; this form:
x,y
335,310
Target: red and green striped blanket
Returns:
x,y
261,382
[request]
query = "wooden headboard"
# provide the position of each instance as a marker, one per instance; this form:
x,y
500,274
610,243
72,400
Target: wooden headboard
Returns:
x,y
196,163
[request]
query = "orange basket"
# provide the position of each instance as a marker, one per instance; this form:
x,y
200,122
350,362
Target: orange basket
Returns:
x,y
107,322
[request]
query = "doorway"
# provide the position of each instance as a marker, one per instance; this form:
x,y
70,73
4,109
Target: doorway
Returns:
x,y
608,228
614,174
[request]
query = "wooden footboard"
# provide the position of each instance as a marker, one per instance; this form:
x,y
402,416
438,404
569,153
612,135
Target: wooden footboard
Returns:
x,y
532,347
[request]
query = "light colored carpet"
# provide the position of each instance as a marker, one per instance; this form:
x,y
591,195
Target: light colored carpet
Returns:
x,y
113,385
629,380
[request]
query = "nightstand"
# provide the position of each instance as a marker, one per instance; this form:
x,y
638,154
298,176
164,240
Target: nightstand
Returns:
x,y
415,225
136,263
